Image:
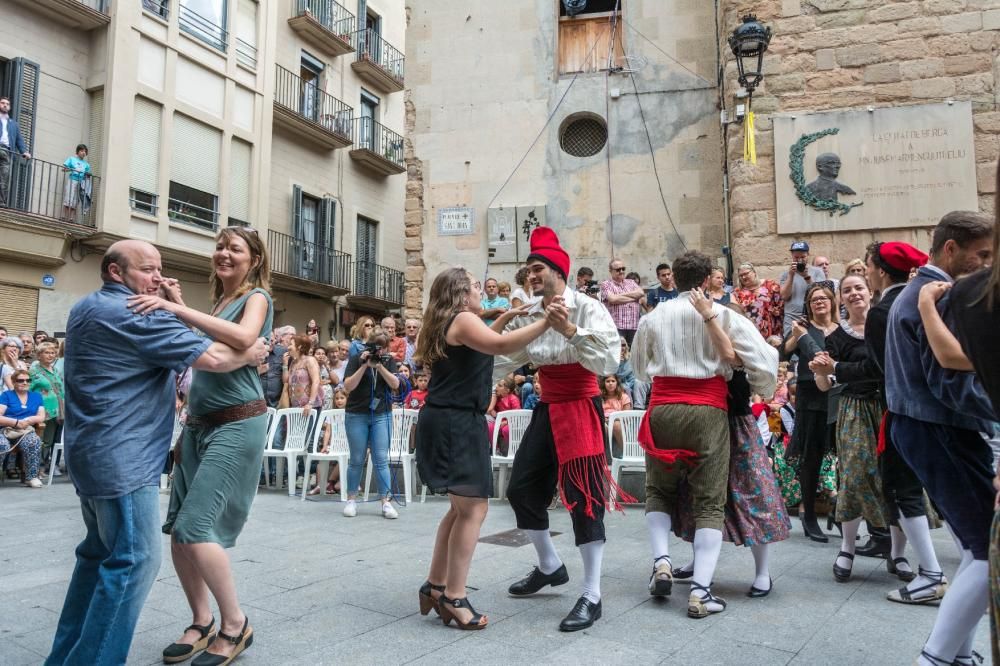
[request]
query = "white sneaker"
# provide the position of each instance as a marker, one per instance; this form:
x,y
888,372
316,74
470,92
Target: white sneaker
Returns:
x,y
350,509
57,472
388,511
37,483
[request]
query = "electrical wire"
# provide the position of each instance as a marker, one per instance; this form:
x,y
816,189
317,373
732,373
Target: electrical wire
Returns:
x,y
670,57
607,120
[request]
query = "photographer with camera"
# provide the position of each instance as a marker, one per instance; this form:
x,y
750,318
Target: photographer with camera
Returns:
x,y
370,379
795,281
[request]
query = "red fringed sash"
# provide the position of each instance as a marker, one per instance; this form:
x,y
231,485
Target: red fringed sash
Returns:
x,y
680,391
576,430
882,433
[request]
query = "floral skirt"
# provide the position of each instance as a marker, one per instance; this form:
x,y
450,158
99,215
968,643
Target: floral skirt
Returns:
x,y
755,511
860,480
787,476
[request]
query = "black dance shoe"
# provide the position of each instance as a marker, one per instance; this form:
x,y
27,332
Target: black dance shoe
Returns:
x,y
877,546
583,615
757,593
536,580
813,530
840,574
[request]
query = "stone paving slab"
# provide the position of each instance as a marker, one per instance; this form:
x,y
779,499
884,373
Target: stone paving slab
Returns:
x,y
323,589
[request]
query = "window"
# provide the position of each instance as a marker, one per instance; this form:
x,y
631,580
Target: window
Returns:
x,y
159,8
367,255
20,84
584,7
194,173
239,182
311,246
246,33
145,173
310,71
585,38
205,20
366,125
95,135
583,135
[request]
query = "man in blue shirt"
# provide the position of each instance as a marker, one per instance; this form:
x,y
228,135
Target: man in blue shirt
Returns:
x,y
493,304
11,141
664,292
119,421
937,418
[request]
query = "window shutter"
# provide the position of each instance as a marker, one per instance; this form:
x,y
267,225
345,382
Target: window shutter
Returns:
x,y
329,222
20,308
146,146
22,88
296,211
95,137
246,21
239,180
195,160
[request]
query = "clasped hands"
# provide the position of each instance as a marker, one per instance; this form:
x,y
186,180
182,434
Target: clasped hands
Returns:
x,y
169,295
557,316
822,364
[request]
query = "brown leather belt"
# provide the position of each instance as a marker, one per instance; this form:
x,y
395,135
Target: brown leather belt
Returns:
x,y
228,415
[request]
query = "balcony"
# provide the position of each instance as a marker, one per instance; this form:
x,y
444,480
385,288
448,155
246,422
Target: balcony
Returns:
x,y
378,62
377,148
324,24
35,222
376,287
202,28
303,266
79,14
303,109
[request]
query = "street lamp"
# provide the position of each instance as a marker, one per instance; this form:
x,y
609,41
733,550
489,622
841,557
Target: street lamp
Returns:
x,y
749,41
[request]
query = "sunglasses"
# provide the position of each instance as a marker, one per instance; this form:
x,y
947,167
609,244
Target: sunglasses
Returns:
x,y
21,381
619,270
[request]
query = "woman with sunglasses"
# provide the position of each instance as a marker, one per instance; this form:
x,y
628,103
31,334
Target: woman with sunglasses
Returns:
x,y
363,327
812,436
20,411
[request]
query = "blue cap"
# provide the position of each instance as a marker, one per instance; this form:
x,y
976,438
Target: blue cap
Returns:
x,y
800,246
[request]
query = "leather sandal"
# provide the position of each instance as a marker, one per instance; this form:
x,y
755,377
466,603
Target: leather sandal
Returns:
x,y
427,600
906,596
448,614
242,642
892,566
178,652
698,605
840,574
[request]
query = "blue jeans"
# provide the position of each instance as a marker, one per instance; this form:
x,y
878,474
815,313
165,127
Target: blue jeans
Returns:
x,y
366,431
116,564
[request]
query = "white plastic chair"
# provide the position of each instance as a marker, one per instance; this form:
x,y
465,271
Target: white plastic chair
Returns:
x,y
633,457
299,428
517,422
403,421
57,448
339,452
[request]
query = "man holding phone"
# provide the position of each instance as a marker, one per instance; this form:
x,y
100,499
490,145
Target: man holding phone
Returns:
x,y
796,280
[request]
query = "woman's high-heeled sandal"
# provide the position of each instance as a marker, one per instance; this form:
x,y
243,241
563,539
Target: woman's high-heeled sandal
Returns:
x,y
242,642
448,614
427,600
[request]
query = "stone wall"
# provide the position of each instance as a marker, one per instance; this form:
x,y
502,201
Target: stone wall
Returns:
x,y
835,54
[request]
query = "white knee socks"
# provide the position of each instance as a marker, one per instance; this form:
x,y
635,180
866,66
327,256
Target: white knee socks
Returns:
x,y
762,577
592,554
548,558
849,542
707,544
918,532
658,525
897,537
960,612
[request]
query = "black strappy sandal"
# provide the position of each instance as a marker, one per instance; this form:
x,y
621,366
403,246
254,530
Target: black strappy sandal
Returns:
x,y
242,642
447,605
906,596
892,566
428,600
840,574
937,661
178,652
698,605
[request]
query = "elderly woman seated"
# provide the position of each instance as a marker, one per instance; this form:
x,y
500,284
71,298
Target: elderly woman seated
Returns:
x,y
21,411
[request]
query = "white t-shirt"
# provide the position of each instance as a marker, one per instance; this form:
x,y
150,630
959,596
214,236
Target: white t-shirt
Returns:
x,y
522,295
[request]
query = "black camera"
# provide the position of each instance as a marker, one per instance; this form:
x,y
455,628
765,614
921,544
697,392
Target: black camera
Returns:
x,y
592,287
800,267
374,357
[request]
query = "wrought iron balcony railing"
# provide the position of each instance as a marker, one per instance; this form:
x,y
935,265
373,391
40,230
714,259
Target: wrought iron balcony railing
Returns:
x,y
193,215
159,8
48,190
302,259
329,14
371,47
246,54
307,100
202,28
375,137
377,281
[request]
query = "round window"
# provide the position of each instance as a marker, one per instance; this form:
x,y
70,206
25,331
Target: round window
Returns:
x,y
583,136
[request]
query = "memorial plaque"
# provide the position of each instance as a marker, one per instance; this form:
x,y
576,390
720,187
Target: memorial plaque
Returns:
x,y
456,221
889,167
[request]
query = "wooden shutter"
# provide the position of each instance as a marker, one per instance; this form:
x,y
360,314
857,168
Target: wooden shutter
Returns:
x,y
145,174
239,180
22,88
577,38
20,308
95,135
195,160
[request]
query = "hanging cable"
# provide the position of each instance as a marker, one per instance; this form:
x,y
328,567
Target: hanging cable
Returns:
x,y
670,57
607,120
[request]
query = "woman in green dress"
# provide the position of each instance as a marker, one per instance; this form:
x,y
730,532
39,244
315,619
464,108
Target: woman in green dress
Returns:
x,y
217,464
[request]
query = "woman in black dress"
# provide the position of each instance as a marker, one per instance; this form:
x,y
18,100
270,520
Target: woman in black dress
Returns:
x,y
812,438
453,453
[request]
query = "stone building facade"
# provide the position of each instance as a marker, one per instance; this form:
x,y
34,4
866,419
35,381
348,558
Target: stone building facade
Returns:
x,y
856,54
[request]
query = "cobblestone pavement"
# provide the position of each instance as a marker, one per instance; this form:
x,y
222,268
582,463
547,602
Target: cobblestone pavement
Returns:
x,y
323,589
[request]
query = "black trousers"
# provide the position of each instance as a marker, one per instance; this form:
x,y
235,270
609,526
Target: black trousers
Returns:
x,y
534,476
956,468
902,490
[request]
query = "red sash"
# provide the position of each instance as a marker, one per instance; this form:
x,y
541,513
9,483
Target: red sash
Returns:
x,y
680,391
882,432
568,390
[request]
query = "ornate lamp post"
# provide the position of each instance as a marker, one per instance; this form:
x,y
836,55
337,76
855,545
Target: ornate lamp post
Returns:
x,y
749,42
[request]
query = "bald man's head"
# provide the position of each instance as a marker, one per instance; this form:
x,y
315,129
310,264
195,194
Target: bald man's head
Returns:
x,y
135,264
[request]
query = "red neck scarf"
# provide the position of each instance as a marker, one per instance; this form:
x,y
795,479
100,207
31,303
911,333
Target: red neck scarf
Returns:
x,y
680,391
577,431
